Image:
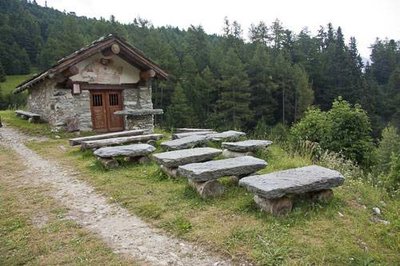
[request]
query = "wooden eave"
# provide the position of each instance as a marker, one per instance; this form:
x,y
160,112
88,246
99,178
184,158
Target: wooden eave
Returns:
x,y
129,53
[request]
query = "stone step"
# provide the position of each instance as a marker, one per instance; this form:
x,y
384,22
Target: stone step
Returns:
x,y
293,181
246,145
188,134
91,144
185,143
134,150
241,166
173,159
77,141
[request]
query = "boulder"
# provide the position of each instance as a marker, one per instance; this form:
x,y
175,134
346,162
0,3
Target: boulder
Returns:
x,y
184,143
246,145
293,181
176,158
229,135
134,150
187,134
241,166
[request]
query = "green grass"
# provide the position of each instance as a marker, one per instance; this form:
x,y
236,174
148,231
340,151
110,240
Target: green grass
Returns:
x,y
12,82
232,224
33,228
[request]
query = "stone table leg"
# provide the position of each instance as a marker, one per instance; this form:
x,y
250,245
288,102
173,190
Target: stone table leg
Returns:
x,y
172,172
208,189
325,195
108,163
279,206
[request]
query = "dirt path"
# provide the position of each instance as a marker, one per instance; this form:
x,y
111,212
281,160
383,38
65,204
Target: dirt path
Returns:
x,y
123,232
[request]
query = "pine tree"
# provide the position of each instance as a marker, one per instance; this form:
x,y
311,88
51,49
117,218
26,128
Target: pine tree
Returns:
x,y
2,73
233,106
179,113
262,87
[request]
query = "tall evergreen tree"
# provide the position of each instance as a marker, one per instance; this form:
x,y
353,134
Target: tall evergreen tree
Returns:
x,y
233,105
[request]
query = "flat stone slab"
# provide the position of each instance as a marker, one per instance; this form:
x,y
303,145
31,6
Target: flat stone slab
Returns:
x,y
187,129
188,134
226,135
184,143
140,112
119,141
246,145
241,166
292,181
78,141
174,159
134,150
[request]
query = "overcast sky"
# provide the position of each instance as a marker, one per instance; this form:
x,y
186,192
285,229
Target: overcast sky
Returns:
x,y
363,19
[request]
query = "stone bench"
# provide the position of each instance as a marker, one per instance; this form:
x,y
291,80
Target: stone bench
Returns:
x,y
230,135
204,176
170,161
132,153
243,148
31,117
94,144
186,130
78,141
274,192
188,134
185,143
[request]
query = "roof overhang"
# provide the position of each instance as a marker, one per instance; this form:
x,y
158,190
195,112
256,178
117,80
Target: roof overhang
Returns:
x,y
127,52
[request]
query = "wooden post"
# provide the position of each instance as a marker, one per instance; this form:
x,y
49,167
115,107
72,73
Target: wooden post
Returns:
x,y
111,51
148,74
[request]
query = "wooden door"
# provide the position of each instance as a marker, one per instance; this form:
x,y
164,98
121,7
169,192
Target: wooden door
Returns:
x,y
103,104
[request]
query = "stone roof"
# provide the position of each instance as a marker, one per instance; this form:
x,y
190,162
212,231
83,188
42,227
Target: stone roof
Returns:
x,y
128,52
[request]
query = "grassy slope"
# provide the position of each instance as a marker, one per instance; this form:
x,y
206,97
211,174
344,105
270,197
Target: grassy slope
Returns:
x,y
33,229
11,82
338,233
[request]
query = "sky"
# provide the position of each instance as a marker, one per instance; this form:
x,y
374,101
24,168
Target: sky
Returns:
x,y
363,19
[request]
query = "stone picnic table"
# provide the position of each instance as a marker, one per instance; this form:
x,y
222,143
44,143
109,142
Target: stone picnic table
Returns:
x,y
274,192
185,143
133,152
171,160
243,148
203,176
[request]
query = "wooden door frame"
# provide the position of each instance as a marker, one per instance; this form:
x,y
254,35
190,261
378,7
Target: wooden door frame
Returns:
x,y
105,90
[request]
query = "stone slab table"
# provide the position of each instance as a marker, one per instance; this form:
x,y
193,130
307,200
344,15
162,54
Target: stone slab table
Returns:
x,y
171,160
243,148
203,176
274,192
132,153
184,143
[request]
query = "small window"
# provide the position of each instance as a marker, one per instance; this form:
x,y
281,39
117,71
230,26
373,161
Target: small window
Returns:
x,y
113,99
97,100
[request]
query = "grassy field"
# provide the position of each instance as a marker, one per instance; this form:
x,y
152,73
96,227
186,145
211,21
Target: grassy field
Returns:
x,y
11,82
33,230
340,232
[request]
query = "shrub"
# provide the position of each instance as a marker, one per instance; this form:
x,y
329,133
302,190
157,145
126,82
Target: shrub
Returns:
x,y
388,145
344,129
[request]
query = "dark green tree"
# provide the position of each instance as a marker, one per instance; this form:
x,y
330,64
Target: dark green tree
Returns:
x,y
233,104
